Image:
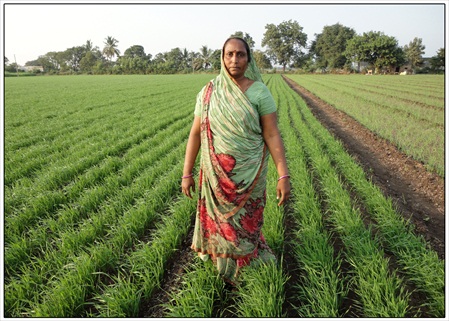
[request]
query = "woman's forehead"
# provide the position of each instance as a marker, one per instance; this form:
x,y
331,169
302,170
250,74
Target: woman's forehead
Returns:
x,y
235,45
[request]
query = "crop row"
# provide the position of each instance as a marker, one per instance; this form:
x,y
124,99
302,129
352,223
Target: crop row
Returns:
x,y
431,83
322,287
118,221
50,103
102,211
323,211
360,243
428,93
51,150
261,291
407,103
94,189
102,249
108,137
48,191
404,123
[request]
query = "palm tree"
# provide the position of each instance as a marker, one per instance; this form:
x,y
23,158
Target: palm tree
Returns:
x,y
195,60
89,46
205,55
110,50
185,60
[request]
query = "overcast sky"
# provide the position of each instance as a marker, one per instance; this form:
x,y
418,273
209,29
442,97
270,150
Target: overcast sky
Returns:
x,y
31,30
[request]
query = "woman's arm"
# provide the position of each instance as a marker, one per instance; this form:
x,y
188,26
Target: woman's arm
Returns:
x,y
193,146
273,139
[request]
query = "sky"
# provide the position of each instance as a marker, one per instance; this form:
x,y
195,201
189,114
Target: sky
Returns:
x,y
31,30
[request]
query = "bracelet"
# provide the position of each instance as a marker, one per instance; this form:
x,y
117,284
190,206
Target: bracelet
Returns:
x,y
187,176
285,176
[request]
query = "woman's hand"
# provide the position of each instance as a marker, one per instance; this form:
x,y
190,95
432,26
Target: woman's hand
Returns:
x,y
192,149
272,138
283,191
188,185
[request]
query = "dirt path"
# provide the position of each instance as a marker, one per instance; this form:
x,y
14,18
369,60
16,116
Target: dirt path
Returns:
x,y
417,193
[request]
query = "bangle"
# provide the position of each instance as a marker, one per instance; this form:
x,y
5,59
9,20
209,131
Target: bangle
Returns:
x,y
285,176
187,176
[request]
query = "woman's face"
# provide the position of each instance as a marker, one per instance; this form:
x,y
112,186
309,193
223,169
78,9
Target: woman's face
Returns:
x,y
235,58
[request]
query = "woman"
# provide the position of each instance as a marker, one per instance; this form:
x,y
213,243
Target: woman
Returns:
x,y
235,126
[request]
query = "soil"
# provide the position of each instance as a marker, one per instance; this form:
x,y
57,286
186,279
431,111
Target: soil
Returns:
x,y
417,193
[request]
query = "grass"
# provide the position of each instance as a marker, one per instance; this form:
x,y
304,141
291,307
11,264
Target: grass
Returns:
x,y
395,233
199,291
40,256
320,289
362,252
92,214
391,107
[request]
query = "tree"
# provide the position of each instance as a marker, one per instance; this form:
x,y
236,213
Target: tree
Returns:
x,y
52,61
196,61
91,57
173,60
110,49
32,63
133,61
185,60
249,40
89,46
12,67
135,51
330,45
437,62
262,61
215,59
88,62
73,57
284,41
414,51
375,48
205,55
157,64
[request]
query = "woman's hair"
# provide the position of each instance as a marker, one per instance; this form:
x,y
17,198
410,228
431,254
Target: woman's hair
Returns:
x,y
248,52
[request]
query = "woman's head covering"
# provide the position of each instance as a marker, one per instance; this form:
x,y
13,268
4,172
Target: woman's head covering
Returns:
x,y
252,72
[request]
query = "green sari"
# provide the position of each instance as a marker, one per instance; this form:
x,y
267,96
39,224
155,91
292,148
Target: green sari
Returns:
x,y
232,178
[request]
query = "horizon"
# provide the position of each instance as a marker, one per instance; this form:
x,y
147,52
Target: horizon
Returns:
x,y
162,27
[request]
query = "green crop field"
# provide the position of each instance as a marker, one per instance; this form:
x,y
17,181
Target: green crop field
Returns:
x,y
408,111
94,216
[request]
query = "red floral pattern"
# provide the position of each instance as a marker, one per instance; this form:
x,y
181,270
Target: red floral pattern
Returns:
x,y
229,188
226,161
228,232
207,223
253,219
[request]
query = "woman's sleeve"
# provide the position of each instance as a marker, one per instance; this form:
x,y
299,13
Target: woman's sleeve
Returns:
x,y
199,103
267,105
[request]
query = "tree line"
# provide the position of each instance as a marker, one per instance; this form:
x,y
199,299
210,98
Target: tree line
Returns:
x,y
336,48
